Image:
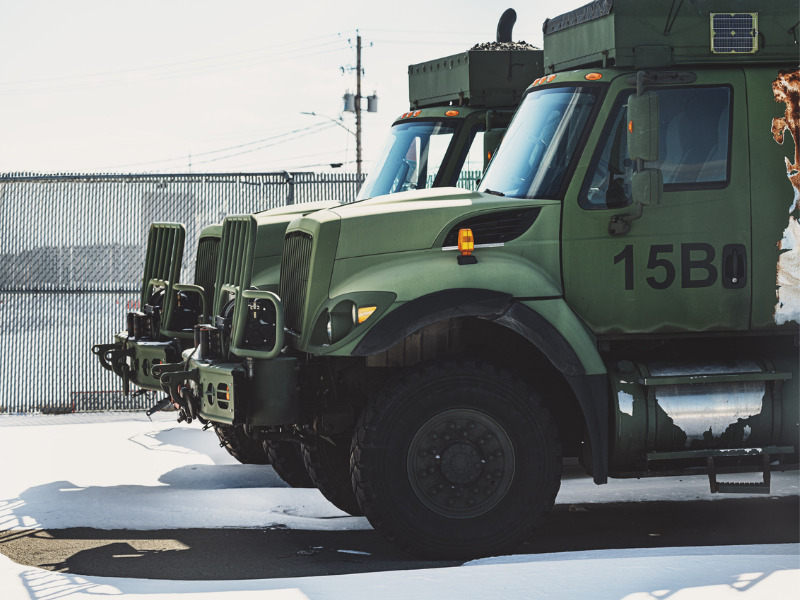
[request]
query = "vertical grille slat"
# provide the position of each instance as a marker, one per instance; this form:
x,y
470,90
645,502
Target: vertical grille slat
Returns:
x,y
234,256
164,254
206,267
295,267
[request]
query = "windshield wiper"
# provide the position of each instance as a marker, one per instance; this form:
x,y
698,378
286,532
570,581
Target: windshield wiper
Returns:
x,y
494,193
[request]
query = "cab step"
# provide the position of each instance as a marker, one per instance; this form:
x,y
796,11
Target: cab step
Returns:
x,y
755,487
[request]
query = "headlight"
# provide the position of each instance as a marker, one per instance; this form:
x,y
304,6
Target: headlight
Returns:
x,y
341,320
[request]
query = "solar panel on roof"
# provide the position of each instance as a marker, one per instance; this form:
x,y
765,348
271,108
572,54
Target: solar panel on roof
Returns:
x,y
734,33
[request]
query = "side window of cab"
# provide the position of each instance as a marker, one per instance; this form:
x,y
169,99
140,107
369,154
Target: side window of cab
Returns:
x,y
693,152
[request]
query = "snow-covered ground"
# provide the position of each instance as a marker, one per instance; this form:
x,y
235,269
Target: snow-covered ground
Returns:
x,y
121,471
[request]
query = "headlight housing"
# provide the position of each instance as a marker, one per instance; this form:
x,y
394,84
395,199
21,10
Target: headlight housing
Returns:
x,y
341,320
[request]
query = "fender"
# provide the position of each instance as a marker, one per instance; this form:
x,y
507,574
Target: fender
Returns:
x,y
589,386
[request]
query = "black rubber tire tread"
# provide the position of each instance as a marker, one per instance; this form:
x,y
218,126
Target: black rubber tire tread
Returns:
x,y
384,435
287,460
328,465
240,445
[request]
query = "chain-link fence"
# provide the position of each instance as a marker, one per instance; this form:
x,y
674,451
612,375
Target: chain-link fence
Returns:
x,y
72,248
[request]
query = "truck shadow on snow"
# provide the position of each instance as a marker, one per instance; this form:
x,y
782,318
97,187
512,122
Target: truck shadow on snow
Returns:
x,y
687,571
264,553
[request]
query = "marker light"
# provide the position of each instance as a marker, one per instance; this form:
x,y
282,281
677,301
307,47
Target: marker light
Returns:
x,y
593,76
451,113
550,78
416,113
630,126
466,243
365,312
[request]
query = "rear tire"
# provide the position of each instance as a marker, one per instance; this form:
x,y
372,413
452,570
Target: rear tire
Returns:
x,y
456,460
240,445
328,465
287,460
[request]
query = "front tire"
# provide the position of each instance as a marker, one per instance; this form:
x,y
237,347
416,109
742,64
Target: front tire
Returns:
x,y
456,460
328,465
287,459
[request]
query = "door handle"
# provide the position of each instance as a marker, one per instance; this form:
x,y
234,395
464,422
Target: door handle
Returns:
x,y
734,266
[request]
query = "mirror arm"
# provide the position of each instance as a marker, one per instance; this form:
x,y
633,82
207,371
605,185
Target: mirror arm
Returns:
x,y
621,224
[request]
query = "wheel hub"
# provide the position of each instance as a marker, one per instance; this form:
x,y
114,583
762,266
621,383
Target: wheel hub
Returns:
x,y
461,463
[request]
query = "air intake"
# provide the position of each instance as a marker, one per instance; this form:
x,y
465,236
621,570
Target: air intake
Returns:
x,y
494,228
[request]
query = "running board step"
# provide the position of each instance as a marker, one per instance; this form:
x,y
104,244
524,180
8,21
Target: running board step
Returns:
x,y
755,487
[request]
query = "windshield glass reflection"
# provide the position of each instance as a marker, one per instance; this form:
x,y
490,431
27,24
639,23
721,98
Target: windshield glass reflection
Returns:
x,y
410,159
537,151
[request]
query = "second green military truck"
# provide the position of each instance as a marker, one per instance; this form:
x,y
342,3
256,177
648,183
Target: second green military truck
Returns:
x,y
460,107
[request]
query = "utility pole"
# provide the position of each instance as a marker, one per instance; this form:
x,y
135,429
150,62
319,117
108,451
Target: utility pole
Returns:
x,y
352,103
358,105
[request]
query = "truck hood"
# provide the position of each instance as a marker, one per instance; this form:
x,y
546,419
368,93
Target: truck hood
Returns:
x,y
410,221
271,224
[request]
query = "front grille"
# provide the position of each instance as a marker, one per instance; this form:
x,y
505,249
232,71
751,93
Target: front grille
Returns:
x,y
295,267
235,256
205,269
163,256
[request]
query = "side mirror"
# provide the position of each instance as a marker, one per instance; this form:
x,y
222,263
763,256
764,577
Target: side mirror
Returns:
x,y
643,126
647,187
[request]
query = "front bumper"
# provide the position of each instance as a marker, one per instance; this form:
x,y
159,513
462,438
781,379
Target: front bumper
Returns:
x,y
133,360
256,392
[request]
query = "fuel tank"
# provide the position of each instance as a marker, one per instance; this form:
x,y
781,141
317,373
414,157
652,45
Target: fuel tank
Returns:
x,y
660,407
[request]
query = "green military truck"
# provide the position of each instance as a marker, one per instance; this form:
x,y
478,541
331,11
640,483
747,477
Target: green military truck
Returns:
x,y
624,288
460,107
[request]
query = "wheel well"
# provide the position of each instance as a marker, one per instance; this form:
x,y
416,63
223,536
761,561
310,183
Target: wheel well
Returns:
x,y
473,337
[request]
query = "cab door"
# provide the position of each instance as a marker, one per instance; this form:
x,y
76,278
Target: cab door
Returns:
x,y
684,265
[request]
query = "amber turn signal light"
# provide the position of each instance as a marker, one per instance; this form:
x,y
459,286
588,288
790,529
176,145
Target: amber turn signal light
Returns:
x,y
365,312
466,244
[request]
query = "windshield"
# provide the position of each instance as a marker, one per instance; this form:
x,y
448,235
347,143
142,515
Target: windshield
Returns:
x,y
410,159
536,154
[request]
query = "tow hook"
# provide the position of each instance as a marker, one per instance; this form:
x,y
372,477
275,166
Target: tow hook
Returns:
x,y
112,357
172,381
160,405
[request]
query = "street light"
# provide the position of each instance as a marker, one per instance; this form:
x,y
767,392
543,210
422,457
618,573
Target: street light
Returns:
x,y
340,124
332,120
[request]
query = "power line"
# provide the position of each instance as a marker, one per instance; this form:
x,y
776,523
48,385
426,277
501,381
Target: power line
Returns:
x,y
322,127
276,139
259,51
159,73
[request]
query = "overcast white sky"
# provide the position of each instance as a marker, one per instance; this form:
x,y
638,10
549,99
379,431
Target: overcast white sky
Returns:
x,y
179,85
